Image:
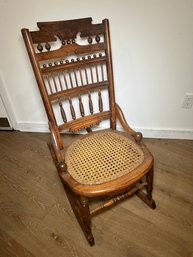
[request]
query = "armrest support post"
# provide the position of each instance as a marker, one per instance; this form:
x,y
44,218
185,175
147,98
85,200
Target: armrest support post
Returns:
x,y
119,114
57,146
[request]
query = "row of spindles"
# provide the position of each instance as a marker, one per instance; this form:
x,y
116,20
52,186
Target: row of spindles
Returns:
x,y
70,84
81,106
53,76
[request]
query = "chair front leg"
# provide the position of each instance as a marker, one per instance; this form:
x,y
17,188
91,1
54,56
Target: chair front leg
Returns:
x,y
80,206
86,220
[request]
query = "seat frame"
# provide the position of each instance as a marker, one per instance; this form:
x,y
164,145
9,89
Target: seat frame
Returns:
x,y
140,180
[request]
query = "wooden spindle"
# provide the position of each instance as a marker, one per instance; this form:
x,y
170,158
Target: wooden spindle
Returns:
x,y
72,109
89,94
102,72
63,114
54,80
90,103
81,107
91,109
86,76
100,101
65,81
91,72
76,79
117,199
60,82
49,84
71,82
81,78
97,75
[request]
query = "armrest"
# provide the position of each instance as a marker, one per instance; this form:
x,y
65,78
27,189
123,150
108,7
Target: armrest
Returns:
x,y
119,114
57,146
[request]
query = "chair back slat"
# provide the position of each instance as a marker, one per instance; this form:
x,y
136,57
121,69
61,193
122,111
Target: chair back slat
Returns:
x,y
84,122
67,51
80,63
73,67
74,91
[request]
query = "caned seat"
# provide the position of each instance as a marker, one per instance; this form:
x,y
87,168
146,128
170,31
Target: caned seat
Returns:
x,y
72,63
102,157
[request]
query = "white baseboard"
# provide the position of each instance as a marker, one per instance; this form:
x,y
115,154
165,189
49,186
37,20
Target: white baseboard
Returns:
x,y
147,132
33,127
166,133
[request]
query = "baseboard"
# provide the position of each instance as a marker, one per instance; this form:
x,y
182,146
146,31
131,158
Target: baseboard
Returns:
x,y
147,132
166,133
33,127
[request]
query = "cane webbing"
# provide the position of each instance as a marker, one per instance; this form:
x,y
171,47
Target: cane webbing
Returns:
x,y
101,157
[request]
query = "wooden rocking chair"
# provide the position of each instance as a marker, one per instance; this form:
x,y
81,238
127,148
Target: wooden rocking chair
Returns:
x,y
73,67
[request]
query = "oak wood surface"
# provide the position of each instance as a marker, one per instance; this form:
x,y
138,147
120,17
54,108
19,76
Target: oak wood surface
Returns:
x,y
36,218
79,70
83,69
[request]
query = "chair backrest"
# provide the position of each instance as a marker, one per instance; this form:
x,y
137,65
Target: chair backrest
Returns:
x,y
73,68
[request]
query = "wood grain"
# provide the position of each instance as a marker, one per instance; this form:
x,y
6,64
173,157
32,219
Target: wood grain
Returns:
x,y
82,69
36,219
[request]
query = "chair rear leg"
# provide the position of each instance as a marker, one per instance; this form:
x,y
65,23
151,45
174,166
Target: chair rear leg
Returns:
x,y
149,188
149,179
81,210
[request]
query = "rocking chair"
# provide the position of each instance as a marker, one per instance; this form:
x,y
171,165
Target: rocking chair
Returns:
x,y
72,64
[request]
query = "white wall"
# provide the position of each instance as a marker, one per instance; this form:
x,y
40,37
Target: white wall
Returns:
x,y
152,43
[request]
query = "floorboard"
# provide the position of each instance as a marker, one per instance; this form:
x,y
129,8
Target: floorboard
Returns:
x,y
36,218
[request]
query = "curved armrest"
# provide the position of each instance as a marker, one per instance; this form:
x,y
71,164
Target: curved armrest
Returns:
x,y
56,148
119,114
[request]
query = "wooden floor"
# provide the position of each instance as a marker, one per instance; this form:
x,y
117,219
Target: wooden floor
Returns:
x,y
36,219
